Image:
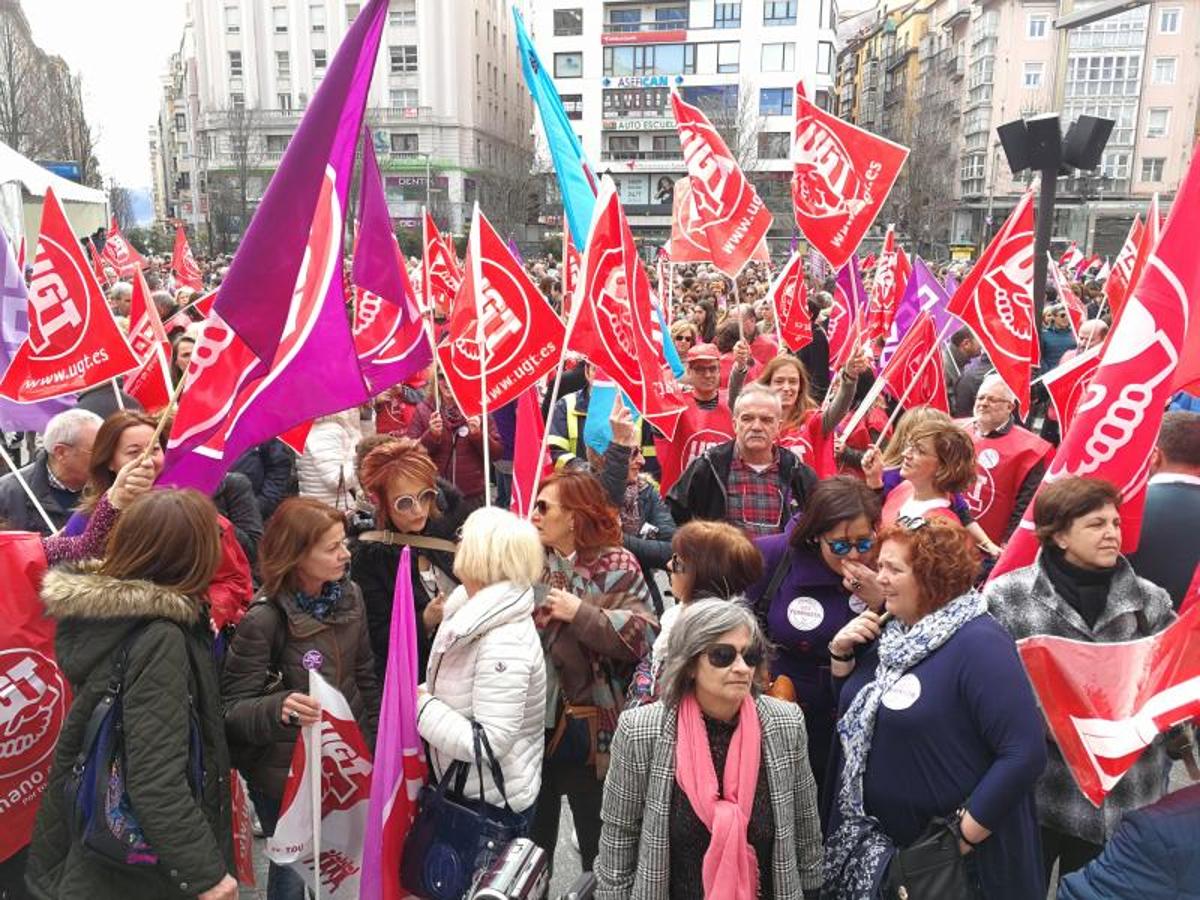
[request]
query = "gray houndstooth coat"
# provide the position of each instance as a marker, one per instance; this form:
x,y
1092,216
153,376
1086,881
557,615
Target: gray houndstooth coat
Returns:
x,y
635,853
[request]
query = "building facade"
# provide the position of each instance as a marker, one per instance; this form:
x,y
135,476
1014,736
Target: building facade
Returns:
x,y
615,64
981,63
449,115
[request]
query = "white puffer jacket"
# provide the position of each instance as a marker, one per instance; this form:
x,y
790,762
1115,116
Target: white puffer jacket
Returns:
x,y
487,664
325,469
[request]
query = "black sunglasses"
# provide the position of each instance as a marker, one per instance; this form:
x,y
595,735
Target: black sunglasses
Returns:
x,y
912,523
542,507
675,564
843,546
721,656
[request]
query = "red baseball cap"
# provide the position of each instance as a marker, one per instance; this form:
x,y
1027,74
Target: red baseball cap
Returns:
x,y
703,352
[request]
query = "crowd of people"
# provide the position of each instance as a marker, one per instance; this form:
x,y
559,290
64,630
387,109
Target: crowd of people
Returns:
x,y
771,678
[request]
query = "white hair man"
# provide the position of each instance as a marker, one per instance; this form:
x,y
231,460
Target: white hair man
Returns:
x,y
748,482
56,476
1009,460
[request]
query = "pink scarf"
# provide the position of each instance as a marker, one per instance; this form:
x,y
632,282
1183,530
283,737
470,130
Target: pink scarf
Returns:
x,y
730,866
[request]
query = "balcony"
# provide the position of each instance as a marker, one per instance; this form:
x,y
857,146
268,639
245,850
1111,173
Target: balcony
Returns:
x,y
641,27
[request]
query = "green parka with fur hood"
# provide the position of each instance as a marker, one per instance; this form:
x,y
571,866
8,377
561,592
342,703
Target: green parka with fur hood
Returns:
x,y
170,660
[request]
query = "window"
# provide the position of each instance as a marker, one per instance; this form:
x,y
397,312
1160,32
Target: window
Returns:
x,y
568,22
1104,75
1152,169
1035,28
670,17
277,143
729,55
233,20
779,12
667,145
1115,164
283,64
237,101
568,65
572,105
403,59
405,143
403,14
279,18
1168,20
1164,70
824,100
727,15
319,59
285,102
180,121
778,57
1156,122
316,18
619,144
653,59
774,144
1033,74
403,98
824,57
352,12
775,101
235,63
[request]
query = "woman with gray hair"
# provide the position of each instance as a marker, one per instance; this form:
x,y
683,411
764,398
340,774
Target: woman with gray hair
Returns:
x,y
486,666
709,793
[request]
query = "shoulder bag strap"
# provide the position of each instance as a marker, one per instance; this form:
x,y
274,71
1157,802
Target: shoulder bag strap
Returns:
x,y
493,764
784,565
419,541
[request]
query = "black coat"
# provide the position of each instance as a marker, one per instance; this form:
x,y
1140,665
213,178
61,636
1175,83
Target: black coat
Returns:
x,y
168,662
17,512
700,491
234,499
269,467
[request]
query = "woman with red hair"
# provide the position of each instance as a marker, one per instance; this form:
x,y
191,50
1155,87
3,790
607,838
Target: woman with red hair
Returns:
x,y
595,622
938,728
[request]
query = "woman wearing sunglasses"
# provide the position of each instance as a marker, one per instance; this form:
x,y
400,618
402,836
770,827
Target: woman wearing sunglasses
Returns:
x,y
818,575
710,792
595,623
413,508
936,721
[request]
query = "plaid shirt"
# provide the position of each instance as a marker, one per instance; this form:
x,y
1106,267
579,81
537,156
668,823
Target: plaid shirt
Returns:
x,y
755,500
1025,602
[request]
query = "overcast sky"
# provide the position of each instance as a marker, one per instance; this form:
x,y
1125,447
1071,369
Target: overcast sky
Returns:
x,y
120,48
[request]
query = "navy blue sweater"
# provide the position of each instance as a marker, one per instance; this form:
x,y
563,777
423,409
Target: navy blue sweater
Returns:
x,y
960,727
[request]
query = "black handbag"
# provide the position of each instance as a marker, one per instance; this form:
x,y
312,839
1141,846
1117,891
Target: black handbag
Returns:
x,y
100,815
932,867
455,838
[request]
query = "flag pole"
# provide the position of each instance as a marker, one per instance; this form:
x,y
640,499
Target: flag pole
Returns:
x,y
117,394
37,504
437,394
477,285
312,750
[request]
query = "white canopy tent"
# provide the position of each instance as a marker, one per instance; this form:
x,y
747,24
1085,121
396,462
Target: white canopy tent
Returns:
x,y
23,185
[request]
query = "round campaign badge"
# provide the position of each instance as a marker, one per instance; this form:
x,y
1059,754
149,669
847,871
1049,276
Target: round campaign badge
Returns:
x,y
312,660
805,613
903,694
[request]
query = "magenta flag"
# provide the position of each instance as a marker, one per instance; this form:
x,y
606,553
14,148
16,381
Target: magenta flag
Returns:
x,y
399,758
389,334
922,294
255,297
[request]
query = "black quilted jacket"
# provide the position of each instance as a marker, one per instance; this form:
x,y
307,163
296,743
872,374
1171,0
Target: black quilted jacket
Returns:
x,y
170,660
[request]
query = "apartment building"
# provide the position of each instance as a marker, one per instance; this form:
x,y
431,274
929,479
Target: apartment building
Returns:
x,y
616,63
1008,60
449,115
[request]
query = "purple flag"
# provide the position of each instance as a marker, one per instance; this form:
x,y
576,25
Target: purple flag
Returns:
x,y
255,297
389,335
515,250
922,293
849,280
399,769
14,329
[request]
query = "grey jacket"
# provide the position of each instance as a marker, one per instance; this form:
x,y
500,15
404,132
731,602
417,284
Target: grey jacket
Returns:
x,y
17,512
635,851
1025,602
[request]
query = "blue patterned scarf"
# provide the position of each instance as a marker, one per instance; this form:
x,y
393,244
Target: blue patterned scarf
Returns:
x,y
857,853
320,606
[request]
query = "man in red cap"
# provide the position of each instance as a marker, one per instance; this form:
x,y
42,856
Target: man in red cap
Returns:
x,y
707,421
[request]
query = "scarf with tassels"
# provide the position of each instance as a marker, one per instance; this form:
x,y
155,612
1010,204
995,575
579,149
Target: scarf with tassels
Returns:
x,y
730,870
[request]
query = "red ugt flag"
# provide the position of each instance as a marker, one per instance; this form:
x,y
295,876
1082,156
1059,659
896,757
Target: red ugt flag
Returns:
x,y
119,253
615,323
73,342
183,264
687,241
996,301
530,428
1068,383
842,175
724,207
34,695
502,330
440,275
915,370
1116,424
1105,703
1117,284
150,385
892,272
789,299
1149,240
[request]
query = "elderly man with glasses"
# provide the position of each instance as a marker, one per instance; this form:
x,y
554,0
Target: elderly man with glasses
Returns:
x,y
1009,460
56,477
